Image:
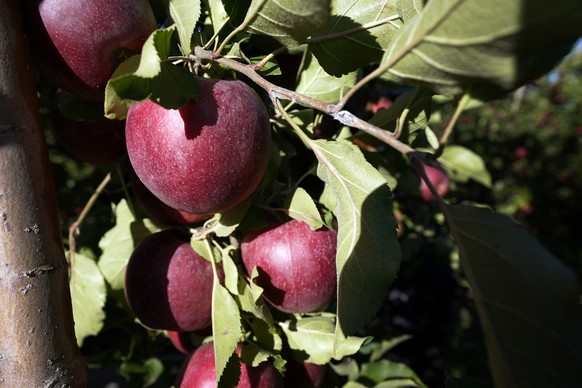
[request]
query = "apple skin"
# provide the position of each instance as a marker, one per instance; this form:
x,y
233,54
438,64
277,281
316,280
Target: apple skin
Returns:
x,y
206,156
158,211
439,180
168,285
296,265
304,374
181,341
78,44
199,371
99,143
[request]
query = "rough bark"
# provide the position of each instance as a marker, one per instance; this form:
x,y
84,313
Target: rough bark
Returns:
x,y
37,340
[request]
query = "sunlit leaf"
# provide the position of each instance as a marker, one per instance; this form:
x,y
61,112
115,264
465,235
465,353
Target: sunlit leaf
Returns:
x,y
488,47
527,301
302,207
88,294
185,13
119,242
368,254
316,83
463,164
316,337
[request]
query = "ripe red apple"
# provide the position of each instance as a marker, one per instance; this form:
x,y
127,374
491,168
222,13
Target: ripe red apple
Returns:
x,y
199,370
158,211
439,180
181,341
168,285
78,44
206,156
296,265
96,142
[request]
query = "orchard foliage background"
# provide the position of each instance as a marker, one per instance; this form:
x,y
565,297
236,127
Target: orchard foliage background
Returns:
x,y
450,293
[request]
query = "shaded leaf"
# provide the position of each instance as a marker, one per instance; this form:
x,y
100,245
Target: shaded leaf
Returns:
x,y
418,107
358,34
489,47
289,21
88,294
119,242
463,164
527,301
185,14
368,254
390,374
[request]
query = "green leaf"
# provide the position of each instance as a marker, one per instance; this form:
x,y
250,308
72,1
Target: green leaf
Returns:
x,y
527,300
390,374
88,294
301,207
289,21
115,107
251,301
407,9
119,242
226,325
155,78
223,225
368,254
358,34
488,47
463,164
316,83
148,371
185,13
315,336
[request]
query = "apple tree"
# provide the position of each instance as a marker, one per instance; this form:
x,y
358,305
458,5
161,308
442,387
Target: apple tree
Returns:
x,y
262,172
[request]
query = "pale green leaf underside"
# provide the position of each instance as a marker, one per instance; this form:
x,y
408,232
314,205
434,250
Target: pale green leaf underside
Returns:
x,y
88,294
358,34
303,208
463,164
185,14
119,242
316,83
489,46
289,21
315,336
368,254
527,302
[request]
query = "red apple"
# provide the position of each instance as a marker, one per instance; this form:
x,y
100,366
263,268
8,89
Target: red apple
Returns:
x,y
199,371
296,265
181,341
207,156
439,180
78,44
168,285
158,211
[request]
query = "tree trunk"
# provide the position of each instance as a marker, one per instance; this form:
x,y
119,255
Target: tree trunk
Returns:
x,y
37,340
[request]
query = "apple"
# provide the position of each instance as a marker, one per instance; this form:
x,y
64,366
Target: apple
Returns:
x,y
304,374
168,286
439,180
206,156
181,341
97,142
296,265
78,44
199,370
158,211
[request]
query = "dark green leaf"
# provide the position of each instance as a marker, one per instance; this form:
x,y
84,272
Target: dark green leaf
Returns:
x,y
527,300
358,34
289,21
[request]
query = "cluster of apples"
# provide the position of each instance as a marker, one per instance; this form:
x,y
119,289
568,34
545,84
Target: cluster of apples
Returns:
x,y
188,164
